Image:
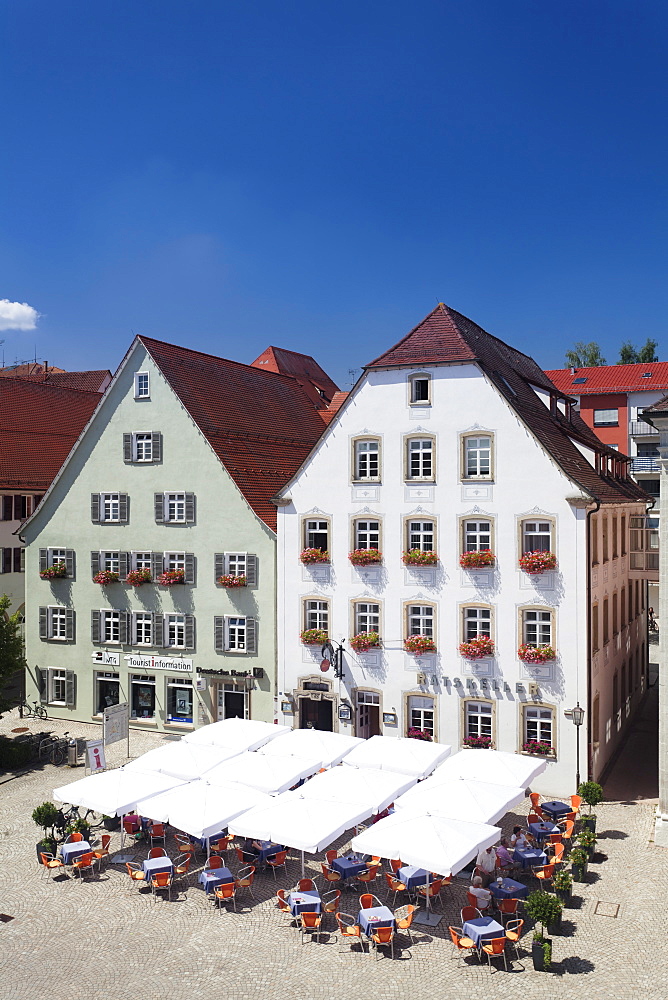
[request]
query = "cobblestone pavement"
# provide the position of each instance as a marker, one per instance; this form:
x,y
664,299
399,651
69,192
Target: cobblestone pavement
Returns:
x,y
101,937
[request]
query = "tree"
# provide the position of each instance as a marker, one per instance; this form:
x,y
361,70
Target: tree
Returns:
x,y
647,353
630,355
584,355
11,647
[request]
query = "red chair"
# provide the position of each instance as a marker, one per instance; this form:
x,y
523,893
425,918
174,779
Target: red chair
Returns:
x,y
328,874
86,860
496,948
224,893
311,923
214,862
279,860
157,852
469,913
396,864
462,944
305,884
331,856
368,901
156,831
51,864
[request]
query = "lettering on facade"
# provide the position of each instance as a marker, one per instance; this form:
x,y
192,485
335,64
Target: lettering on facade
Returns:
x,y
103,656
159,663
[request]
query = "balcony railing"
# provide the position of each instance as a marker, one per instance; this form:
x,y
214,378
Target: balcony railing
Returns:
x,y
640,428
645,465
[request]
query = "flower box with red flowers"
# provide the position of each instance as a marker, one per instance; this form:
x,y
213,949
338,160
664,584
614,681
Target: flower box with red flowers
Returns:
x,y
231,581
477,649
416,557
536,654
538,562
477,742
138,577
365,557
313,636
309,556
538,747
105,577
419,734
56,572
171,577
364,641
477,560
418,645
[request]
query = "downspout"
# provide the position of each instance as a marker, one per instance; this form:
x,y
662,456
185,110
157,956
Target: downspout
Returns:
x,y
591,511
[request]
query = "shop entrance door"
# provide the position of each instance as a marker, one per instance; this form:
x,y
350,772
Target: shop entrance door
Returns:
x,y
232,702
368,714
315,714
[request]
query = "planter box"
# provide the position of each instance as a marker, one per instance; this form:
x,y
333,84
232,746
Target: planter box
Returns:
x,y
537,955
555,927
579,873
565,895
588,823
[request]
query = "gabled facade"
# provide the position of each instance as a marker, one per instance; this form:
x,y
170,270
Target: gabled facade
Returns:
x,y
151,560
454,449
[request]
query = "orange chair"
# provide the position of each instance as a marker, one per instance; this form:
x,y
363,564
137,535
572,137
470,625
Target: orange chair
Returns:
x,y
305,884
186,845
331,856
544,874
156,831
245,880
329,874
535,801
475,902
462,944
310,923
403,918
396,864
214,862
74,838
283,904
368,901
368,876
348,928
495,948
576,802
103,852
381,937
182,865
330,901
533,818
469,913
506,908
135,872
162,880
567,834
279,860
86,860
245,857
50,864
131,827
157,852
558,856
514,933
224,893
569,817
395,886
431,891
218,846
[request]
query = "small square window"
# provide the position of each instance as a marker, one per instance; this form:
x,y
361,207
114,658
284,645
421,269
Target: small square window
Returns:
x,y
419,389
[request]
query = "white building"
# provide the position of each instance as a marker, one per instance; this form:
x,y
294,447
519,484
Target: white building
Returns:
x,y
453,442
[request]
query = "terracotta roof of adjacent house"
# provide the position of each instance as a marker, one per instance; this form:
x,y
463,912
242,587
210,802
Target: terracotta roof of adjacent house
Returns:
x,y
261,424
39,424
338,399
660,406
93,381
300,366
611,378
27,369
447,337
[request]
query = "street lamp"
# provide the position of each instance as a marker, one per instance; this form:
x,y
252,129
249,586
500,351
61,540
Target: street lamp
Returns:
x,y
335,656
577,718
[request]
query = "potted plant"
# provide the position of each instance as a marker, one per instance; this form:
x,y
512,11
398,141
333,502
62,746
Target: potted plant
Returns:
x,y
308,556
536,654
477,560
477,649
111,822
563,886
541,952
477,742
418,645
545,909
105,577
537,562
56,572
538,747
231,581
78,826
46,816
172,577
579,859
416,557
363,641
138,577
365,557
313,636
586,839
419,734
591,793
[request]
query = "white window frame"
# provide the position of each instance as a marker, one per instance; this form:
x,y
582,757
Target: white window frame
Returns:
x,y
420,458
110,561
538,723
536,531
473,456
177,501
236,563
110,626
476,622
538,626
421,712
421,620
316,614
142,447
367,537
141,560
142,385
236,634
107,503
476,534
174,561
140,621
57,676
319,526
414,380
423,537
478,718
606,417
57,623
175,631
366,616
366,460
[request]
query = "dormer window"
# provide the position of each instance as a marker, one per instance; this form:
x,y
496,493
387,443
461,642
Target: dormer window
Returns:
x,y
420,390
142,385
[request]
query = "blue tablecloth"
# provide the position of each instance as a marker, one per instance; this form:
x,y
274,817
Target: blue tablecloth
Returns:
x,y
268,850
376,916
302,902
154,865
213,877
508,889
347,867
555,809
530,858
482,929
543,830
69,852
412,876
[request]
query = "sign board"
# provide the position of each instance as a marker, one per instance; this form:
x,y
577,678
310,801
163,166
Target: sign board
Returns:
x,y
103,656
159,663
116,723
95,754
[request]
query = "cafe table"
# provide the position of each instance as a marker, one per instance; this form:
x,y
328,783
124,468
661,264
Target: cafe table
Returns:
x,y
483,929
75,849
555,809
349,865
543,830
304,902
267,850
508,888
152,866
373,917
413,876
530,857
212,877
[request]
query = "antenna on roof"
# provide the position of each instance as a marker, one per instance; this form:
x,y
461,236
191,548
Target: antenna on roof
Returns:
x,y
352,373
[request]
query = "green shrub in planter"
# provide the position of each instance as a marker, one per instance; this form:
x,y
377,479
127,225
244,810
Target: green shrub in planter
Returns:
x,y
544,908
591,793
563,886
541,953
579,861
46,816
586,839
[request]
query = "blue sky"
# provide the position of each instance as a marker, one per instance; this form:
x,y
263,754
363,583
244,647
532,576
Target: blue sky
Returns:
x,y
317,175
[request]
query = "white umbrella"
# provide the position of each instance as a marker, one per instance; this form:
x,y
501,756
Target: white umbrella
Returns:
x,y
236,734
401,754
330,748
268,774
305,824
115,793
202,809
494,766
365,785
455,798
182,760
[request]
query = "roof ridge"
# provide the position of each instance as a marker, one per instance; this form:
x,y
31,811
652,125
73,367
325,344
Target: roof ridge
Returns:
x,y
50,385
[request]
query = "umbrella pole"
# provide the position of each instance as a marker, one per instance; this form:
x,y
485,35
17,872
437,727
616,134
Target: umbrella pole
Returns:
x,y
428,877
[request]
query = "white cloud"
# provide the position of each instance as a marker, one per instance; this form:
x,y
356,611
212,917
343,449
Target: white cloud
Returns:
x,y
17,316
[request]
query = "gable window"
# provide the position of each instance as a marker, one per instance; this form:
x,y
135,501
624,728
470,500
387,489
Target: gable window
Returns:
x,y
420,620
421,713
477,623
537,627
109,508
235,634
477,536
142,385
56,623
419,388
367,460
606,418
316,534
477,457
539,725
175,508
478,719
420,458
316,615
536,536
367,534
421,535
367,617
142,447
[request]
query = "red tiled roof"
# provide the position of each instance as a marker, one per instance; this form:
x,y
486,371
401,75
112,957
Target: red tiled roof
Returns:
x,y
660,406
95,381
28,369
338,400
39,424
301,366
261,424
611,378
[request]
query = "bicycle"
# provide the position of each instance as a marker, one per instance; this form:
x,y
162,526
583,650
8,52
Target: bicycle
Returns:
x,y
55,748
72,816
37,711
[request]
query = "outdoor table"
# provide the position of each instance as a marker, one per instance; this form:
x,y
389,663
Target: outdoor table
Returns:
x,y
212,877
154,865
348,865
482,929
304,902
543,830
531,857
555,809
69,852
268,850
508,888
413,876
375,916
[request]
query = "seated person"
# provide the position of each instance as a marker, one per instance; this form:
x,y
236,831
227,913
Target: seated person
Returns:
x,y
520,838
483,896
504,856
485,864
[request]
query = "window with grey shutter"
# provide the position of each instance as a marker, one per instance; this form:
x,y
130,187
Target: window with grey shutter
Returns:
x,y
123,627
69,625
156,446
158,629
69,563
127,448
251,570
189,630
219,634
44,623
41,678
95,617
94,563
251,635
218,565
70,688
7,560
157,565
190,508
123,508
123,564
159,503
7,508
95,508
43,560
190,567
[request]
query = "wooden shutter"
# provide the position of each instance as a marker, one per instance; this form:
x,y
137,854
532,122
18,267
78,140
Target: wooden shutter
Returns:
x,y
7,560
36,501
159,503
95,617
123,508
7,508
218,565
157,565
123,564
95,508
158,629
94,563
251,570
219,634
127,448
17,560
69,563
251,635
41,678
123,627
70,688
43,559
189,631
44,623
69,624
190,508
156,446
190,567
20,507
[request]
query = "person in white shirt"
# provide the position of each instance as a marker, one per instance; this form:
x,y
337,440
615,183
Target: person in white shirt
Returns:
x,y
519,839
483,896
485,864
